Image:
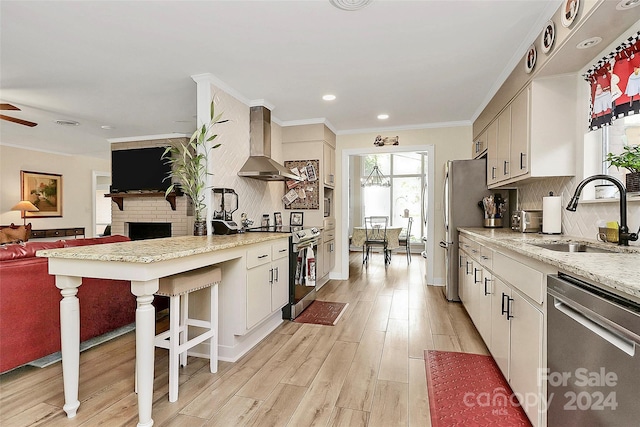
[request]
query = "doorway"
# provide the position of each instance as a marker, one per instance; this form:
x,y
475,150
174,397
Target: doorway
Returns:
x,y
410,171
101,204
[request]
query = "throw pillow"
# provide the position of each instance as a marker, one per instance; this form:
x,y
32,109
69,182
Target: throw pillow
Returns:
x,y
15,233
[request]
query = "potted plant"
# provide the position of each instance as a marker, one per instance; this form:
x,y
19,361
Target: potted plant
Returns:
x,y
630,160
189,161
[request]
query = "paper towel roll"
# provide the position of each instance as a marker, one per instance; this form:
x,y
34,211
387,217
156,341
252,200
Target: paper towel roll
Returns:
x,y
552,215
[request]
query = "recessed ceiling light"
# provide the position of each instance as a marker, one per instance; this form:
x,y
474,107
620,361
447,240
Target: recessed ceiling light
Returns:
x,y
66,122
383,116
329,97
350,5
590,42
627,4
106,127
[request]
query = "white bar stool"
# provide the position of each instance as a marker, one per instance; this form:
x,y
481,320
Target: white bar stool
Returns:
x,y
177,288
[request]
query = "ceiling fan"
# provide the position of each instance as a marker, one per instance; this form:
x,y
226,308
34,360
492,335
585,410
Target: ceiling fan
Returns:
x,y
13,119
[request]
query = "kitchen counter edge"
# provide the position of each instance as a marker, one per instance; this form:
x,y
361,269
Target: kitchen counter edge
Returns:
x,y
155,250
618,271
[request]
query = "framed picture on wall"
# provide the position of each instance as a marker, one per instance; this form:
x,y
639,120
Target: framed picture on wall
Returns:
x,y
295,219
44,190
570,11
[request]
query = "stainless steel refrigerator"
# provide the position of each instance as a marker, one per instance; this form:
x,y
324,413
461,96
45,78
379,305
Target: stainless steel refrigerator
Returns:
x,y
465,184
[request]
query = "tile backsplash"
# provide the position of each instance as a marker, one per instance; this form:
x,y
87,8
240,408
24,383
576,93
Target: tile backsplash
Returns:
x,y
583,222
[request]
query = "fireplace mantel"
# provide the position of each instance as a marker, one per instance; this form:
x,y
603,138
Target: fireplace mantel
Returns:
x,y
119,197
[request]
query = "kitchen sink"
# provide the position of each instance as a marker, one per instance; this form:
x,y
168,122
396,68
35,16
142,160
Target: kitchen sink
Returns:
x,y
573,247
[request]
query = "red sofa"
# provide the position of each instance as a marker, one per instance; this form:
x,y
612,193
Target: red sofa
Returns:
x,y
30,302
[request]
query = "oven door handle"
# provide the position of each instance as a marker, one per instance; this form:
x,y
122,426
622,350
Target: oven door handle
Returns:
x,y
306,245
597,328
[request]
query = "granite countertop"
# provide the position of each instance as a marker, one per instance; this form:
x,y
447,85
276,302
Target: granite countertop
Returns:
x,y
618,271
154,250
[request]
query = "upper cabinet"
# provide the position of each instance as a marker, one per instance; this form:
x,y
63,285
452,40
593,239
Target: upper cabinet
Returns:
x,y
534,134
329,162
479,146
314,142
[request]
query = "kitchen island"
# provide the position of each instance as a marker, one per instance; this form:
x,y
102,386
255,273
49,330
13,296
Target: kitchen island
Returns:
x,y
144,262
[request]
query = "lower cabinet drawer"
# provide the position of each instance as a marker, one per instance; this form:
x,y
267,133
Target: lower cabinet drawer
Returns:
x,y
258,256
280,250
526,279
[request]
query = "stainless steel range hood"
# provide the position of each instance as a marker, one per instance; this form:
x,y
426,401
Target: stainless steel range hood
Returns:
x,y
260,165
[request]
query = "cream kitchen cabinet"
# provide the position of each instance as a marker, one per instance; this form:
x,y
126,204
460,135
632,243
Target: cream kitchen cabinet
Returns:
x,y
267,281
329,245
535,133
500,325
329,164
505,299
479,146
314,142
525,353
475,281
504,145
329,253
492,153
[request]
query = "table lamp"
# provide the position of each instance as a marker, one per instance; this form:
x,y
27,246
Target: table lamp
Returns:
x,y
25,206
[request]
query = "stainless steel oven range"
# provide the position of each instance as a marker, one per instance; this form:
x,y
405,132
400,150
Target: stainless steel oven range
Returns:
x,y
302,268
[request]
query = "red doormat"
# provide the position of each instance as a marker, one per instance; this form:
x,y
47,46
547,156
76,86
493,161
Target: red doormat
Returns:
x,y
469,390
322,313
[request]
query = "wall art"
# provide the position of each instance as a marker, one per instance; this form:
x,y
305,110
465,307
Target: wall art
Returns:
x,y
44,190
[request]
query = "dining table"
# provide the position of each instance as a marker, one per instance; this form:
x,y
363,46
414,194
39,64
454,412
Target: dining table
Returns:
x,y
359,236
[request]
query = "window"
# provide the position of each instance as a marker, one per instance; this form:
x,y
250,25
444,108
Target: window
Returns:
x,y
610,139
407,172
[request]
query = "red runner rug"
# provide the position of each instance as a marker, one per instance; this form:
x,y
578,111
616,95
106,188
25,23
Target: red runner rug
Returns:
x,y
322,313
469,390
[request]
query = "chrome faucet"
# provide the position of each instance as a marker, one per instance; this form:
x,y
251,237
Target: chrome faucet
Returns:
x,y
624,237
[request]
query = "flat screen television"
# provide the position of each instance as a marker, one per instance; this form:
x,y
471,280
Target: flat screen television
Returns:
x,y
139,169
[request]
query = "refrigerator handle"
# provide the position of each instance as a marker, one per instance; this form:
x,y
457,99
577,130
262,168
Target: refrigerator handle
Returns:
x,y
445,205
425,204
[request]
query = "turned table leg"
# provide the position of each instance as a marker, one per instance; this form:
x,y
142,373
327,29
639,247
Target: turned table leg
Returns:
x,y
70,340
145,347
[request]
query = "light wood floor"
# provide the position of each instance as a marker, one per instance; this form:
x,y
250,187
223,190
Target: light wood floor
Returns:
x,y
368,370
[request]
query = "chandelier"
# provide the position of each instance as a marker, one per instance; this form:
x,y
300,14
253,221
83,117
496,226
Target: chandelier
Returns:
x,y
375,179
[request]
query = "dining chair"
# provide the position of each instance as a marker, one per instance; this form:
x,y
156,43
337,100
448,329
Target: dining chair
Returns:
x,y
375,228
405,240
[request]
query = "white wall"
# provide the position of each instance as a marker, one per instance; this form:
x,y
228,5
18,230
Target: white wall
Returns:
x,y
450,143
77,197
255,197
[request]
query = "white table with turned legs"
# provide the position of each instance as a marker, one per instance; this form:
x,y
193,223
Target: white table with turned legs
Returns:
x,y
143,263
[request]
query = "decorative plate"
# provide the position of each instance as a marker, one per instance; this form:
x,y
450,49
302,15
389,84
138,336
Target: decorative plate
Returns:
x,y
548,37
569,12
530,59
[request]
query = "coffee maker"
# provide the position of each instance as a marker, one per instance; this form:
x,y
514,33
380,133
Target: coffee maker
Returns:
x,y
225,203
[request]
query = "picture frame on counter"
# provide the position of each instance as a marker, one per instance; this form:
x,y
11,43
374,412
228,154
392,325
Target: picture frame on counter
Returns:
x,y
277,219
296,219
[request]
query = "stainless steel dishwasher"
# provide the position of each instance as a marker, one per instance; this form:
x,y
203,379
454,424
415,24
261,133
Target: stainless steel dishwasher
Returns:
x,y
592,355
